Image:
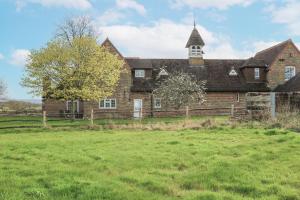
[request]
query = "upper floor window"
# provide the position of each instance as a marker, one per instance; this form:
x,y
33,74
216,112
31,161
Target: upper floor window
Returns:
x,y
233,72
289,72
139,73
108,104
256,73
195,51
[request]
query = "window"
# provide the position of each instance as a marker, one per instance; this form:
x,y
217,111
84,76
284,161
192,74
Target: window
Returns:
x,y
157,103
233,72
108,104
163,72
256,73
195,51
69,105
237,97
139,73
289,72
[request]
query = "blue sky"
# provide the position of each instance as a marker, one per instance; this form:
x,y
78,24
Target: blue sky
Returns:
x,y
143,28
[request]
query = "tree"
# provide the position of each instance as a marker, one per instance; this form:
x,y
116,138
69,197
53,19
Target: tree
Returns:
x,y
2,88
73,66
83,70
180,89
77,27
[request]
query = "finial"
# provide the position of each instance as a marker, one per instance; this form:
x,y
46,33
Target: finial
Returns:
x,y
194,20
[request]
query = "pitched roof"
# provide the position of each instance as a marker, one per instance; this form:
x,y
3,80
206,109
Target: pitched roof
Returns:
x,y
195,39
269,55
253,62
215,72
108,44
293,85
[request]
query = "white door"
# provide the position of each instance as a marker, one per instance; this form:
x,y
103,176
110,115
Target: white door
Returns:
x,y
137,110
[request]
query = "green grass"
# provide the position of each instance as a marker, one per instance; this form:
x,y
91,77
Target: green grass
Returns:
x,y
34,124
205,164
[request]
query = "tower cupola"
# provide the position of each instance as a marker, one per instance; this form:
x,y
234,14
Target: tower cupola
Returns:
x,y
195,46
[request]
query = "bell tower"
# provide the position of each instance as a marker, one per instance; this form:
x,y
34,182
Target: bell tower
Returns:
x,y
195,45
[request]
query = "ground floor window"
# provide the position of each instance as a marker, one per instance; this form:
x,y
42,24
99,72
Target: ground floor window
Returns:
x,y
157,103
237,97
69,105
108,104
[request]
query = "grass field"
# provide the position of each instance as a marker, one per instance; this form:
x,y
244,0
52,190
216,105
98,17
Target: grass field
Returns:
x,y
209,163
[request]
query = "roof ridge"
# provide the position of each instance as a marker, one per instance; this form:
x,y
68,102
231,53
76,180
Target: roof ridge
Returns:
x,y
139,58
272,47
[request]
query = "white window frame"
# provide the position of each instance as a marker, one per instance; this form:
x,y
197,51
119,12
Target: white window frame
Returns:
x,y
139,73
256,73
108,101
195,51
69,101
157,99
291,74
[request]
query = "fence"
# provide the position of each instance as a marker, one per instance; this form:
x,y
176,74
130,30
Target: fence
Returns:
x,y
39,119
287,101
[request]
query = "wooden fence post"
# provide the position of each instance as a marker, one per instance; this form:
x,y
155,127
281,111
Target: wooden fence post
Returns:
x,y
141,113
273,105
232,110
92,117
44,119
187,111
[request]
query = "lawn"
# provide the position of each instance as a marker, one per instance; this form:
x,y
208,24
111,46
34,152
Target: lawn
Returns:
x,y
213,163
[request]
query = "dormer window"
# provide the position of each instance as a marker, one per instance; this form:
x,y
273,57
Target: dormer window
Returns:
x,y
233,72
195,51
256,73
139,73
163,72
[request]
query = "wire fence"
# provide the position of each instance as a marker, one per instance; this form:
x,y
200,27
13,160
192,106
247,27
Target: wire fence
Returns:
x,y
39,119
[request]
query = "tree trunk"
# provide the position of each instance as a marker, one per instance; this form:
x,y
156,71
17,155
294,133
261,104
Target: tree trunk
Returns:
x,y
73,110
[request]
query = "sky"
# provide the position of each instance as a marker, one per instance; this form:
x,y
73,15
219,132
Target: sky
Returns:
x,y
146,28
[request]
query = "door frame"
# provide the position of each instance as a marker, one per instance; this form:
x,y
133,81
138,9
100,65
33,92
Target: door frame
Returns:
x,y
138,112
77,105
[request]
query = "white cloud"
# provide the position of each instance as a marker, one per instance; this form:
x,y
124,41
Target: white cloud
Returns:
x,y
19,57
167,39
131,4
287,14
72,4
109,16
224,4
1,56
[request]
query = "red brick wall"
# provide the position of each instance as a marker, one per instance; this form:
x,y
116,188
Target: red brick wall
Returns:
x,y
276,74
250,76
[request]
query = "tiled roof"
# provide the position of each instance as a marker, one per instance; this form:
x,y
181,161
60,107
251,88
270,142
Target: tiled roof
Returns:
x,y
195,39
253,62
293,85
269,55
215,72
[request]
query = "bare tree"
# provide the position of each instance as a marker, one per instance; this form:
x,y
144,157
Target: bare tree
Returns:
x,y
77,27
2,88
180,89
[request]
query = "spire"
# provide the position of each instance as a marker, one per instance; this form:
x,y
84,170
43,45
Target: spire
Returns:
x,y
195,38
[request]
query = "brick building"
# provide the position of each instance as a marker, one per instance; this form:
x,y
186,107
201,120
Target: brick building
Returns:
x,y
228,81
